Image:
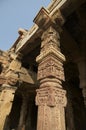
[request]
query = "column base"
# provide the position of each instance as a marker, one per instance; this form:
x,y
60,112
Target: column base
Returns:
x,y
51,103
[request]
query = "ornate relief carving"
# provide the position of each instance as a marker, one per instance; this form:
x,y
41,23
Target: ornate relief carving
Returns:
x,y
50,70
50,67
51,97
50,38
50,59
50,46
47,115
51,51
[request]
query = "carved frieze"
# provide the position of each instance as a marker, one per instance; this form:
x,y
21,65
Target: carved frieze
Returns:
x,y
50,45
50,38
51,97
50,67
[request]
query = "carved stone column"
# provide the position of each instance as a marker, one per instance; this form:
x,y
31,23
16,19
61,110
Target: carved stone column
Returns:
x,y
50,97
6,99
9,86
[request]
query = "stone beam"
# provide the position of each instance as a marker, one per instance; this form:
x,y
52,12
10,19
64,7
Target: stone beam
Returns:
x,y
52,9
27,37
55,5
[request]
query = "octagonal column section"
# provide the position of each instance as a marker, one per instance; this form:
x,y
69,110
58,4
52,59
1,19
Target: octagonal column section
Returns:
x,y
50,98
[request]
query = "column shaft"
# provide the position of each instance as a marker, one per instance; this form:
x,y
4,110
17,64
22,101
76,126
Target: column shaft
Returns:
x,y
6,99
50,97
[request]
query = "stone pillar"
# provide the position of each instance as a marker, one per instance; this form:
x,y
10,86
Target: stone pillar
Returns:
x,y
82,75
11,79
50,97
23,113
6,99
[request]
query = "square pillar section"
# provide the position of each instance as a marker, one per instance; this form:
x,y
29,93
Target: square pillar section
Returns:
x,y
6,100
50,98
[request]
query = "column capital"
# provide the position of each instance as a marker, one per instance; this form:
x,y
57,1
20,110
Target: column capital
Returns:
x,y
44,19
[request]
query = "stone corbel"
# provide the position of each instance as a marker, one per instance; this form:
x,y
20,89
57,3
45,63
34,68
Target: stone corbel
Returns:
x,y
44,19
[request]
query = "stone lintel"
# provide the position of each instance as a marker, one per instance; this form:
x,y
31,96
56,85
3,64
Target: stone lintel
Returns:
x,y
52,9
55,4
44,16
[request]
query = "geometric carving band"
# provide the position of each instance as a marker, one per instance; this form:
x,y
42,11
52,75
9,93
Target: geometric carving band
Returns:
x,y
50,67
51,96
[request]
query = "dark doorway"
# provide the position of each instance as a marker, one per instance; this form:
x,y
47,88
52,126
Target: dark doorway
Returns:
x,y
15,112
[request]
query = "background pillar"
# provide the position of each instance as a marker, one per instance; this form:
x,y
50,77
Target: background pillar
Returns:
x,y
6,99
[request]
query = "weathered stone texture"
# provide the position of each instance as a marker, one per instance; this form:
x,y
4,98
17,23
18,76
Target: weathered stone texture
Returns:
x,y
6,99
50,98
